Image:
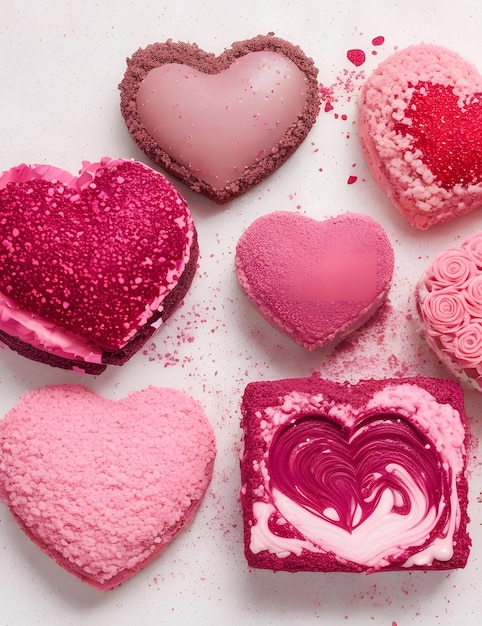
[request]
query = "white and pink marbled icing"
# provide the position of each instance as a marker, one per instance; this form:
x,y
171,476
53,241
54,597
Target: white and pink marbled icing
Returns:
x,y
449,301
217,125
385,533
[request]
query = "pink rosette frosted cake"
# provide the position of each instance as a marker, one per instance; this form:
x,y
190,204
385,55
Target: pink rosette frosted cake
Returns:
x,y
420,121
360,477
220,124
449,302
91,264
103,486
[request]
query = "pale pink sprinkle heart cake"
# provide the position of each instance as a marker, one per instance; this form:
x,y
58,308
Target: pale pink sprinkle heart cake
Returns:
x,y
420,126
449,302
220,124
364,477
315,281
103,486
91,264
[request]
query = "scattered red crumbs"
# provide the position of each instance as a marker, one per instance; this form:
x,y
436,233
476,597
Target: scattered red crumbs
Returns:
x,y
357,57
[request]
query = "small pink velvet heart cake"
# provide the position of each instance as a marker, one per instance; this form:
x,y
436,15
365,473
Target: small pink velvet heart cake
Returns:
x,y
103,486
449,302
420,126
91,264
354,478
220,124
315,281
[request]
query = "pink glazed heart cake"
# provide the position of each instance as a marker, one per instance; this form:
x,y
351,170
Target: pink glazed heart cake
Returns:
x,y
103,486
315,281
420,126
449,303
360,477
91,264
220,124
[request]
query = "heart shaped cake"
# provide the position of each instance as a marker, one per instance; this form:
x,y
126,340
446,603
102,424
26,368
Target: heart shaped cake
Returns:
x,y
91,264
315,281
103,486
420,126
355,478
220,124
449,303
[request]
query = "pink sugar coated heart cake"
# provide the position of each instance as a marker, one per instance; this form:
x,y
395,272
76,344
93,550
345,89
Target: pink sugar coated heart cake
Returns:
x,y
420,126
360,477
91,264
449,302
103,486
220,124
315,281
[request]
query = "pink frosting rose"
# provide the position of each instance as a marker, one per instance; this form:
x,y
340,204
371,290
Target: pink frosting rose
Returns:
x,y
444,311
473,246
468,345
452,268
473,297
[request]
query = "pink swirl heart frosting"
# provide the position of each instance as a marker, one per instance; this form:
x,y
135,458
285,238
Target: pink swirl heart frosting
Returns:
x,y
340,474
354,477
449,302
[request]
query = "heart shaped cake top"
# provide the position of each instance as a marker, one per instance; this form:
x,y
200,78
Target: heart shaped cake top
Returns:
x,y
354,477
90,260
420,121
220,123
315,281
449,302
103,486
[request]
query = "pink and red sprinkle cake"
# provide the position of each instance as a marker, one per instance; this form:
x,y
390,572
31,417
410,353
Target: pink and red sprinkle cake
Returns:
x,y
354,478
220,124
103,486
315,281
420,121
449,302
91,264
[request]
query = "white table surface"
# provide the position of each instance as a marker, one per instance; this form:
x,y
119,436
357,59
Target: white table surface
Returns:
x,y
60,64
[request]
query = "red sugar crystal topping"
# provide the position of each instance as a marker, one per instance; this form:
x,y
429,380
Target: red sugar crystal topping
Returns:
x,y
93,261
448,135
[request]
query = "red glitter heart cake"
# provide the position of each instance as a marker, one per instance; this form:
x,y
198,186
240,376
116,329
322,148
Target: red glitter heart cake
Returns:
x,y
355,478
316,281
220,124
420,126
91,264
103,486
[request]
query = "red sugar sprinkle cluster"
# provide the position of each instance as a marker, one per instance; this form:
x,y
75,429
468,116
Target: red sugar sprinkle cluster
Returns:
x,y
452,149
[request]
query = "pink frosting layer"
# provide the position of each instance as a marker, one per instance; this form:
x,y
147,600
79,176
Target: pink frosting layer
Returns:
x,y
103,497
219,125
449,300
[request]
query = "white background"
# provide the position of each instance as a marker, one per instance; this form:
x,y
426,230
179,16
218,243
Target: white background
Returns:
x,y
60,64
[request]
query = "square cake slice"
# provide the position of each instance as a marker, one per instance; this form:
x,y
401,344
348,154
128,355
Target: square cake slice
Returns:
x,y
354,477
